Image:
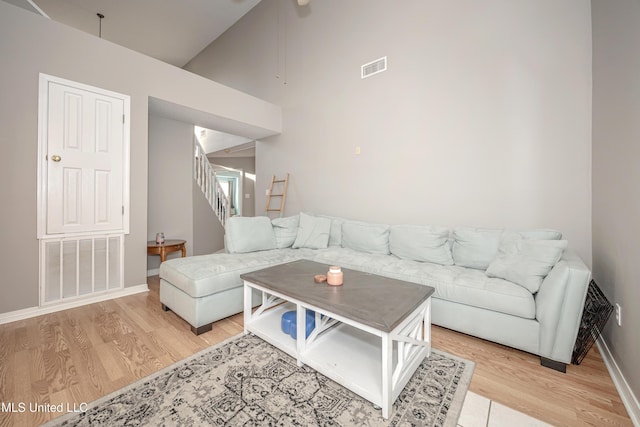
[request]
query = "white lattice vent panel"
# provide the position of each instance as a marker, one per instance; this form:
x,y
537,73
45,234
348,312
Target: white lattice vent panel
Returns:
x,y
374,67
80,266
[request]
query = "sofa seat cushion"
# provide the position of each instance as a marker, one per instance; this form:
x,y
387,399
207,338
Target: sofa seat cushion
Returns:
x,y
453,283
467,286
355,260
204,275
475,288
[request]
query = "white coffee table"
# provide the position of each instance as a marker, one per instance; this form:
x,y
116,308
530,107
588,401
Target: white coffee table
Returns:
x,y
371,333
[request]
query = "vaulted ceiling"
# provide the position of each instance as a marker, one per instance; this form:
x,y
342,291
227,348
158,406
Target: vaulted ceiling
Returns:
x,y
172,31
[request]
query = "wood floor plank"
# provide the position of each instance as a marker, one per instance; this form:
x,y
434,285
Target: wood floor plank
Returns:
x,y
81,354
87,366
7,351
109,358
517,380
141,318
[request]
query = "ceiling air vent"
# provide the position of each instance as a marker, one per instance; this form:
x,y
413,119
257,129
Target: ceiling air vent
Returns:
x,y
375,67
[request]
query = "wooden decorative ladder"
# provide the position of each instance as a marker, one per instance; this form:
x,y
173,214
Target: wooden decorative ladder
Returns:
x,y
281,184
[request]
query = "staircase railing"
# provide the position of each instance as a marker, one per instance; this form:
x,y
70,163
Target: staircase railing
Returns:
x,y
205,177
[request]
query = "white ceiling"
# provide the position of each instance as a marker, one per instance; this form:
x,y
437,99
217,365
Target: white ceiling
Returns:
x,y
172,31
221,143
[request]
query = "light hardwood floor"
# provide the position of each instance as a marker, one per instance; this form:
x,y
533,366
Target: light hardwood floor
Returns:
x,y
81,354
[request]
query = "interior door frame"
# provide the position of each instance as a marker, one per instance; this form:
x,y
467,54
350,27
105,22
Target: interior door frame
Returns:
x,y
236,175
43,103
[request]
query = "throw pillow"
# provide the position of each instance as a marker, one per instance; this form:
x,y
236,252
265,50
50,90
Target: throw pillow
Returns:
x,y
475,247
528,263
421,243
313,232
365,237
249,234
335,235
286,230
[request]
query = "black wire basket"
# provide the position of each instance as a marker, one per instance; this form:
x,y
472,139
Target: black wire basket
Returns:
x,y
597,310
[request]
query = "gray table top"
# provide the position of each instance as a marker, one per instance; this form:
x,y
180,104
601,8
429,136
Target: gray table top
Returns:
x,y
372,300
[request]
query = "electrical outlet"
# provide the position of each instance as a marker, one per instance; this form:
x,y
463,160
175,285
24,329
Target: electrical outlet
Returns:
x,y
618,314
266,192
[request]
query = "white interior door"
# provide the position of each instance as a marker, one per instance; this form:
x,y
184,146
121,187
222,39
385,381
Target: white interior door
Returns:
x,y
85,160
83,190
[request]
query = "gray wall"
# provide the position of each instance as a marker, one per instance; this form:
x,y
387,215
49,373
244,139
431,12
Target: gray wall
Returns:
x,y
616,173
208,233
177,205
483,117
30,44
170,182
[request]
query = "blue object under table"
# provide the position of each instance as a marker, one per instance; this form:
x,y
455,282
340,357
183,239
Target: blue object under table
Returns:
x,y
289,326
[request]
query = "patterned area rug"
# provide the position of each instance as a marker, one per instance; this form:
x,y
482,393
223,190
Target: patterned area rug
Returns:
x,y
247,382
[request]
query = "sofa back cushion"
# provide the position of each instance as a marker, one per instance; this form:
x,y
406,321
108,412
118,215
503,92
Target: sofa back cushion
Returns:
x,y
540,234
528,262
421,243
285,230
475,247
510,238
366,237
313,232
249,234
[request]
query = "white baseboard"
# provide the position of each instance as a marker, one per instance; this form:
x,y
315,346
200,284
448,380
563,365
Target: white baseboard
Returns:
x,y
26,313
626,394
153,272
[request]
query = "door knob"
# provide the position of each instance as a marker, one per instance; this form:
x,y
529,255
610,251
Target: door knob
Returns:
x,y
56,158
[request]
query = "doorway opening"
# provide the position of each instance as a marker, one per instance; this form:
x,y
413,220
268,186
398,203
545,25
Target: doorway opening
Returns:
x,y
231,181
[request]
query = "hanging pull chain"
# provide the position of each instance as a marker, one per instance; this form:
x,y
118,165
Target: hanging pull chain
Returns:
x,y
100,17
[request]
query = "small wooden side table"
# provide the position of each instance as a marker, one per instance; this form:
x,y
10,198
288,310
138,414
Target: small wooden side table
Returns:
x,y
167,247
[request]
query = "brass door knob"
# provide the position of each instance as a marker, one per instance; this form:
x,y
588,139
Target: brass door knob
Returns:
x,y
56,158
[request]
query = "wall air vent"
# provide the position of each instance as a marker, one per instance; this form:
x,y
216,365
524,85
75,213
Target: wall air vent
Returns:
x,y
374,67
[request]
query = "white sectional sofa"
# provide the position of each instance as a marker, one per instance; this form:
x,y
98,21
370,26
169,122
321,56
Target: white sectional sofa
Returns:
x,y
524,289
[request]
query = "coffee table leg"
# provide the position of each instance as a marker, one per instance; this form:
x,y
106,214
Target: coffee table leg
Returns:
x,y
387,372
426,327
248,294
301,328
